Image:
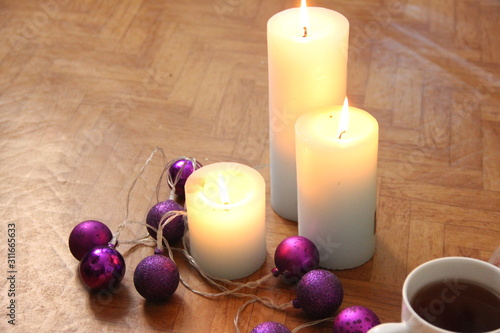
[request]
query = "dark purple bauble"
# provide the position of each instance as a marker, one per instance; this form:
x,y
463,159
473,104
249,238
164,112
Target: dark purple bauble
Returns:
x,y
186,172
174,230
355,319
156,278
102,267
270,327
294,257
87,235
319,294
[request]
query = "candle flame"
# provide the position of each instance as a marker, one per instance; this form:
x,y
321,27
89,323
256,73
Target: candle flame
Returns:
x,y
224,195
304,17
344,119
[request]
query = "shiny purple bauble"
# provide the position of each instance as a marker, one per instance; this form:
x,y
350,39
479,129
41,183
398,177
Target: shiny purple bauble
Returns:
x,y
87,235
102,267
175,168
270,327
294,257
174,230
156,278
319,294
355,319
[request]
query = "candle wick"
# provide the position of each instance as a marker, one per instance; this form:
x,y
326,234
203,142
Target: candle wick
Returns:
x,y
305,32
340,135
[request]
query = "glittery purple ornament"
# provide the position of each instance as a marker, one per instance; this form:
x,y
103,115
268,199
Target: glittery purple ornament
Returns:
x,y
102,267
270,327
294,257
319,294
87,235
176,167
156,277
174,230
355,319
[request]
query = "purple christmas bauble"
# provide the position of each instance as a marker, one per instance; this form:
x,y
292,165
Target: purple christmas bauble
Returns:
x,y
174,230
294,257
355,319
102,267
87,235
156,278
186,172
270,327
319,294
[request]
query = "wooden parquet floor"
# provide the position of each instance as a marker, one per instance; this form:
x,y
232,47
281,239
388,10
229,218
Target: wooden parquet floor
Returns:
x,y
89,88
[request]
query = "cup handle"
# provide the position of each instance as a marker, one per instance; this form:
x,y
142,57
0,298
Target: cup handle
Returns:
x,y
390,328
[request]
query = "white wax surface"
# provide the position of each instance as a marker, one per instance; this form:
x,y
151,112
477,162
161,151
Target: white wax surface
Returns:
x,y
337,185
227,230
304,73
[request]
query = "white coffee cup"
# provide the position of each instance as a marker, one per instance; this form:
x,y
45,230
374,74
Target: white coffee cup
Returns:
x,y
481,272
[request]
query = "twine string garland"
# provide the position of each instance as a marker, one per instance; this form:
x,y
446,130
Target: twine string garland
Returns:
x,y
171,182
159,243
270,304
148,161
122,225
263,300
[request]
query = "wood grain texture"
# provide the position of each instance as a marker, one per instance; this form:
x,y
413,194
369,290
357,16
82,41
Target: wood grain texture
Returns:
x,y
89,88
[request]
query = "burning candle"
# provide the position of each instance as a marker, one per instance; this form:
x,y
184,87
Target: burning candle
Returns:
x,y
225,205
307,59
337,151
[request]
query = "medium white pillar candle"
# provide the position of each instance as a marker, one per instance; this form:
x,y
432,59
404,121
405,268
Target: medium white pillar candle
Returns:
x,y
337,184
305,73
225,205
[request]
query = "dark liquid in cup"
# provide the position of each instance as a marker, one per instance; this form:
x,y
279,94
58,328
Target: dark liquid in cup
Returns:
x,y
458,305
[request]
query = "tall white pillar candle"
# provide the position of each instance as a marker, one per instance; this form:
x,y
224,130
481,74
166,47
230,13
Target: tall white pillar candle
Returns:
x,y
305,72
225,204
337,184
